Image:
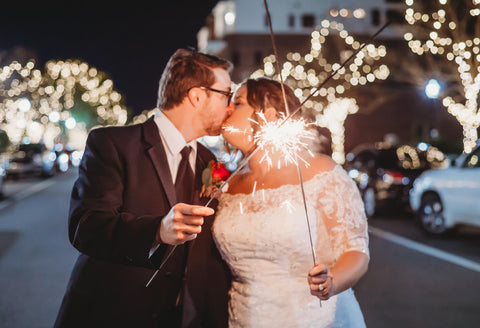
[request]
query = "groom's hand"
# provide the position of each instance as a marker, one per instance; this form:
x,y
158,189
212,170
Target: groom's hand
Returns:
x,y
182,223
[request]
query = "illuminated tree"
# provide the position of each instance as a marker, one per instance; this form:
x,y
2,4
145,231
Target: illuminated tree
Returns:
x,y
449,30
143,116
304,73
64,101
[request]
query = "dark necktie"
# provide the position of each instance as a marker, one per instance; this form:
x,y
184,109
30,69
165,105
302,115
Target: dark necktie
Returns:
x,y
184,185
185,181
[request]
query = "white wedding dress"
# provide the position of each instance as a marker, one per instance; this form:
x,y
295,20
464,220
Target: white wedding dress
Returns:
x,y
264,238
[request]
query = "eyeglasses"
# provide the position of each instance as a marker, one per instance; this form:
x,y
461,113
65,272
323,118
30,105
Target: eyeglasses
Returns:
x,y
227,94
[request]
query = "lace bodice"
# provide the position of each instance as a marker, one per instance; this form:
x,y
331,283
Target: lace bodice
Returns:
x,y
264,237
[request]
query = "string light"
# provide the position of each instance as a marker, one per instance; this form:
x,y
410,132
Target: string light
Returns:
x,y
40,106
305,73
444,39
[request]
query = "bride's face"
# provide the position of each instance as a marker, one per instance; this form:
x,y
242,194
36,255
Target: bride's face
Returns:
x,y
237,129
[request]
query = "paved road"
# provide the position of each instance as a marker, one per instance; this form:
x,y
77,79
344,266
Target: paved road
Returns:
x,y
406,285
407,288
35,255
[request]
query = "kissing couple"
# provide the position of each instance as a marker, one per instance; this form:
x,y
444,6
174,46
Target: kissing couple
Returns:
x,y
244,261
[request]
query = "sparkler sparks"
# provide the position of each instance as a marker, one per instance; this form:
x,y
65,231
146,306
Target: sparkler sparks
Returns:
x,y
290,138
287,137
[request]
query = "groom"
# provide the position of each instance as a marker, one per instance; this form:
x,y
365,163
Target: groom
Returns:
x,y
129,206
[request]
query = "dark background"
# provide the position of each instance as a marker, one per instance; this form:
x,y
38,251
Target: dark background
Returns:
x,y
131,42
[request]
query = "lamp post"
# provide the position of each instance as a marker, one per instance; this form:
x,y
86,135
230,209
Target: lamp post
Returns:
x,y
432,91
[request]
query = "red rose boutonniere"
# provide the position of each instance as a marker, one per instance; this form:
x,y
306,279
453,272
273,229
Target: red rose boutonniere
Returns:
x,y
213,176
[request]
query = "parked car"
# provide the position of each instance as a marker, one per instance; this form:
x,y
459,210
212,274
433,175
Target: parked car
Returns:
x,y
3,174
66,157
31,159
384,174
445,198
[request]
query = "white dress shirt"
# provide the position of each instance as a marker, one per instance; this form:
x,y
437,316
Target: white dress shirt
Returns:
x,y
173,142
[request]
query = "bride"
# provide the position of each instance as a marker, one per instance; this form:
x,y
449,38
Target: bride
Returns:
x,y
262,233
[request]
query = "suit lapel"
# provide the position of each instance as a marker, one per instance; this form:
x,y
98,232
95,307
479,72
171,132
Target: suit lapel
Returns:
x,y
159,159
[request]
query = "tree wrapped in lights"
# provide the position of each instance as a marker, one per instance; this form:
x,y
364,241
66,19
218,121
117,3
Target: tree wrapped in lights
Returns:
x,y
67,99
304,73
333,118
143,116
450,30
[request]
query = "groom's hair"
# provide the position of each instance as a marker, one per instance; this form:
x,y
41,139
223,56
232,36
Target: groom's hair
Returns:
x,y
186,69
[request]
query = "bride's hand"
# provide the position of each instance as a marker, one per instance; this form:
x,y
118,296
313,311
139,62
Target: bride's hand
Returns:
x,y
320,280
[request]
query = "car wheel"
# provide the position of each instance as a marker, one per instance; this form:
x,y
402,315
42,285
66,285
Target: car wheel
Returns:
x,y
369,201
430,215
47,173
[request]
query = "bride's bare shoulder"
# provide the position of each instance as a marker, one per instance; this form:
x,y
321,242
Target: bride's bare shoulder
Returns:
x,y
320,163
239,183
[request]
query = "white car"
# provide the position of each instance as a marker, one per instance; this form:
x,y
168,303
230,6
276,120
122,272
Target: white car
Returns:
x,y
445,198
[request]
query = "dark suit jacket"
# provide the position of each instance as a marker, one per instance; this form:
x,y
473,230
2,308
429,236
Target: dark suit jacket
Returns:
x,y
123,191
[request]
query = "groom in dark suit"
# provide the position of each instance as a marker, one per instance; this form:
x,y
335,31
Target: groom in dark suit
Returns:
x,y
137,194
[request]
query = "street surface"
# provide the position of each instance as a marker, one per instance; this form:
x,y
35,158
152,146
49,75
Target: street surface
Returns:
x,y
413,280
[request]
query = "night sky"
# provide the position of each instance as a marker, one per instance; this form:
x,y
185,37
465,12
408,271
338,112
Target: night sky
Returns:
x,y
131,42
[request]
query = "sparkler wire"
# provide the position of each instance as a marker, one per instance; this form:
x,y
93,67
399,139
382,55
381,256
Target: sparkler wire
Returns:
x,y
306,213
290,114
245,161
269,20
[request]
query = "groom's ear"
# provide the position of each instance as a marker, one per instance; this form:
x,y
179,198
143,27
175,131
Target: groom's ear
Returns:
x,y
195,96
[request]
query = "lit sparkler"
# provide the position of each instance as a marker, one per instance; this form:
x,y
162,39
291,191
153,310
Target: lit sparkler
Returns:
x,y
289,138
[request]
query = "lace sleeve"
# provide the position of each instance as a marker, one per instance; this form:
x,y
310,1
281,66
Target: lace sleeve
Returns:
x,y
341,208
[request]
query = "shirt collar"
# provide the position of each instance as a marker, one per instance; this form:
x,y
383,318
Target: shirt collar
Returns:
x,y
173,139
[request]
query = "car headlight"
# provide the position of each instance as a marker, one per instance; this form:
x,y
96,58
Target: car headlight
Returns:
x,y
353,173
76,157
63,158
52,156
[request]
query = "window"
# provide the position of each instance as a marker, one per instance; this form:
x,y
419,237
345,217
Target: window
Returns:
x,y
419,131
291,20
474,159
258,57
308,20
266,20
375,17
235,58
395,16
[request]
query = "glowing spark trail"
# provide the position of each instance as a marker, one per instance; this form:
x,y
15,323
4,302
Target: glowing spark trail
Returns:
x,y
289,138
231,129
